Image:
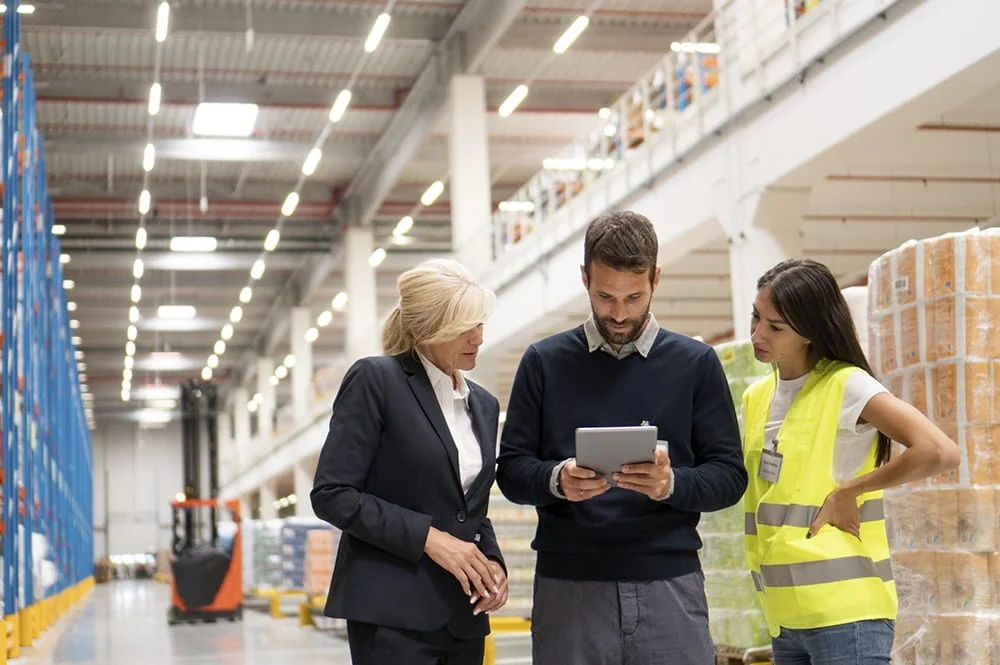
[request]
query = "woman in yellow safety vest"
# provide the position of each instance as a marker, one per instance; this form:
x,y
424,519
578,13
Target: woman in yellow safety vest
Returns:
x,y
817,449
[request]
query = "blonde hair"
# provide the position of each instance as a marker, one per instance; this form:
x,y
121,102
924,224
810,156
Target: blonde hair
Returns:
x,y
439,300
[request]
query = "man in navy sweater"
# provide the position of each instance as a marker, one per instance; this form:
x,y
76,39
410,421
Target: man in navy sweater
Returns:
x,y
617,578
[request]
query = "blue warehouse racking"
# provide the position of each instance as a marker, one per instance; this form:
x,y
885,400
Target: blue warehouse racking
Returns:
x,y
46,524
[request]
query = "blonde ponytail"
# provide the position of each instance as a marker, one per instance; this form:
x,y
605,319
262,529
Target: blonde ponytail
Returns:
x,y
395,339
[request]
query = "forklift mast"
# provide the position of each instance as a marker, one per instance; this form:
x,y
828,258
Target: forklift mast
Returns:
x,y
200,464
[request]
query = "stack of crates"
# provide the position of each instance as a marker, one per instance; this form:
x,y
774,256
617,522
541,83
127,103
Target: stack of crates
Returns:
x,y
321,552
294,538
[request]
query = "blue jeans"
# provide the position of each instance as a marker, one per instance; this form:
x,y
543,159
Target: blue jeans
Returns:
x,y
858,643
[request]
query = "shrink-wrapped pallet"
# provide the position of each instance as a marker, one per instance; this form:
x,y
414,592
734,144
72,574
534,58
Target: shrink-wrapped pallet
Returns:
x,y
934,324
320,554
515,526
735,617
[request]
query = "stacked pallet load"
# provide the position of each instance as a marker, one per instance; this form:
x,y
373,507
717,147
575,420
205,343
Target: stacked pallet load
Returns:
x,y
321,552
294,539
933,319
736,619
262,550
514,526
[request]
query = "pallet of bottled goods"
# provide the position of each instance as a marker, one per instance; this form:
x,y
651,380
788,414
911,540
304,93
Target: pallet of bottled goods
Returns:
x,y
934,311
736,619
320,555
514,526
294,548
262,554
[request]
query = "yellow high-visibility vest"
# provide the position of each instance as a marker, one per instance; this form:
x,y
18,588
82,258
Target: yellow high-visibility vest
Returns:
x,y
832,578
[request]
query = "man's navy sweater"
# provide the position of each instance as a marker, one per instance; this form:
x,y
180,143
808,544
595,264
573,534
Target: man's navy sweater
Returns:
x,y
621,535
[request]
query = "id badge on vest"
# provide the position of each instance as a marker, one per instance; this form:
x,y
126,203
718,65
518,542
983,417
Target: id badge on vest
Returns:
x,y
770,463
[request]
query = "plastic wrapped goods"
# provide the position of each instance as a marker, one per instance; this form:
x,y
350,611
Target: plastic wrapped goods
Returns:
x,y
934,337
736,619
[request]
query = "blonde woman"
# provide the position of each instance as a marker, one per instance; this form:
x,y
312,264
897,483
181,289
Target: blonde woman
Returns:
x,y
406,473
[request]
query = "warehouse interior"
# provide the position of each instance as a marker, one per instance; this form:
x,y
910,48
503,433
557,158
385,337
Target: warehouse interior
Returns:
x,y
226,192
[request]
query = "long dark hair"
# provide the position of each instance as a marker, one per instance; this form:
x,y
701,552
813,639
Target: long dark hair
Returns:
x,y
806,295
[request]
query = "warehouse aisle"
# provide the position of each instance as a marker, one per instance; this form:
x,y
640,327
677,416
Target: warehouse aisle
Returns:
x,y
124,623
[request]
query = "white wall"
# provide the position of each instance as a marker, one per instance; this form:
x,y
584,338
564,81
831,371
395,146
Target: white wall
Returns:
x,y
136,475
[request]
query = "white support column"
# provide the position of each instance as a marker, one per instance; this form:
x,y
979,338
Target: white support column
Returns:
x,y
303,482
363,334
268,495
471,204
302,371
265,410
766,229
241,430
228,455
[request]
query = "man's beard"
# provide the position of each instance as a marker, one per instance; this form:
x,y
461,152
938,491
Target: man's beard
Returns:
x,y
630,334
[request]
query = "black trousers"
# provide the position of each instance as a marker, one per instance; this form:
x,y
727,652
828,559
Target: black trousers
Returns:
x,y
380,645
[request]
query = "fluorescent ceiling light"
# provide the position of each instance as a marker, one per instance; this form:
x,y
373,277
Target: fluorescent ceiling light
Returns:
x,y
71,306
127,374
281,372
125,396
77,341
271,241
140,238
78,355
129,349
289,361
378,29
258,398
129,361
252,406
257,271
138,268
605,113
376,258
176,311
69,284
513,100
404,226
21,9
233,120
154,416
155,93
432,193
132,332
58,229
219,348
692,47
193,244
162,21
145,200
339,302
206,373
575,29
162,404
312,335
312,161
340,105
516,206
213,361
136,293
290,204
74,324
133,314
324,319
64,259
273,380
227,332
149,158
236,315
246,294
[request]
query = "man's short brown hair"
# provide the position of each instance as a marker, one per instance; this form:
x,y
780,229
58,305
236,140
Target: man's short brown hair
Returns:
x,y
623,240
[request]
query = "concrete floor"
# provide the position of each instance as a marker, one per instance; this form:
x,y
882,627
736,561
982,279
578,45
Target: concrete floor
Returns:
x,y
124,623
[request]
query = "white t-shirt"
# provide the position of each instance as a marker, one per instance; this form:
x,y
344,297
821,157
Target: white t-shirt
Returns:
x,y
853,442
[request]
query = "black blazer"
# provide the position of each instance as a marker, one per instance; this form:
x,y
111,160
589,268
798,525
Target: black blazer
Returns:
x,y
387,473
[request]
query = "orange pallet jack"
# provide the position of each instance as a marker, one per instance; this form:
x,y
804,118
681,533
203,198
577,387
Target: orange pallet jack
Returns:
x,y
207,570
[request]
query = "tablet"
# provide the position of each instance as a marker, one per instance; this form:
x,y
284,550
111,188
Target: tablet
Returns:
x,y
606,450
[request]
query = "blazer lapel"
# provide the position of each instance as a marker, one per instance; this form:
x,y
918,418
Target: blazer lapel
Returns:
x,y
421,387
485,438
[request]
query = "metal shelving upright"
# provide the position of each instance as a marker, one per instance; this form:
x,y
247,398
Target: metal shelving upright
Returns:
x,y
46,467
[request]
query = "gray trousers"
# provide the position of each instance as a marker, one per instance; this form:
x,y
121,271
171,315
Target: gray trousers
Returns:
x,y
621,623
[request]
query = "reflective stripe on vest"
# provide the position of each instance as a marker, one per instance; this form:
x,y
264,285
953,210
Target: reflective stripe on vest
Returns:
x,y
825,571
777,515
